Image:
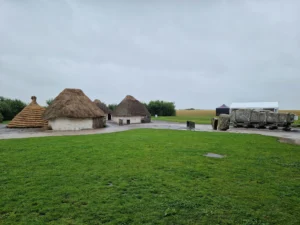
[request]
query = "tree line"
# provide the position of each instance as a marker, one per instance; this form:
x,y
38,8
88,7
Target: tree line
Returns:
x,y
157,107
161,108
9,108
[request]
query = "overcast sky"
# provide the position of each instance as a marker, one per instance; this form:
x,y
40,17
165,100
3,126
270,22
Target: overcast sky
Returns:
x,y
198,54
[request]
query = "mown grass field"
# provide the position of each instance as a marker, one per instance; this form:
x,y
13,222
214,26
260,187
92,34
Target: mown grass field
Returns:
x,y
149,177
203,116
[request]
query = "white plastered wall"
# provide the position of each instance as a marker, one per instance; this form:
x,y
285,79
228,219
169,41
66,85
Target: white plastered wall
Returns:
x,y
133,119
71,124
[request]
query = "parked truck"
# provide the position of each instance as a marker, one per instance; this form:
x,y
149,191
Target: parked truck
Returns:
x,y
261,119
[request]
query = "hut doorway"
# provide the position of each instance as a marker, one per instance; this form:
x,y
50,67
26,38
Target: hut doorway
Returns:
x,y
109,116
128,121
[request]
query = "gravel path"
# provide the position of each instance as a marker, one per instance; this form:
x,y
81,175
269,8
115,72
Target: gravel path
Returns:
x,y
5,133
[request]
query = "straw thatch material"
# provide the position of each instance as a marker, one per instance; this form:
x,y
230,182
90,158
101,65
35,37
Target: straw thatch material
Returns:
x,y
29,117
72,103
130,106
102,106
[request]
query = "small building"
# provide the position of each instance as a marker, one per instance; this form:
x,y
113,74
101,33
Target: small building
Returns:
x,y
223,109
104,108
29,117
73,110
271,106
130,110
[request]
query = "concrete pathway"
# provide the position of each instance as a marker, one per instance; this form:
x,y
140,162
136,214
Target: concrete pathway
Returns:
x,y
5,133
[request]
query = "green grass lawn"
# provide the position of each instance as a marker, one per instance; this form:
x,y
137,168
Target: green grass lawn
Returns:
x,y
149,177
183,119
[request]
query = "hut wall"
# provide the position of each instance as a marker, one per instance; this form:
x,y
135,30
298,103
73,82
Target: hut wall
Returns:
x,y
71,124
99,122
106,116
133,119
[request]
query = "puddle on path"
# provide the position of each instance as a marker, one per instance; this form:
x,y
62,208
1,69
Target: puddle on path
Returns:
x,y
213,155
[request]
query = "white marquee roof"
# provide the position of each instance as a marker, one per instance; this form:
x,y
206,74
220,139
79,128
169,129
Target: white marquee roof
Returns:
x,y
254,105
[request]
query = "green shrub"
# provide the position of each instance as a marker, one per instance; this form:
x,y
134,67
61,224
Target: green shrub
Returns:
x,y
1,118
9,108
49,101
112,106
161,108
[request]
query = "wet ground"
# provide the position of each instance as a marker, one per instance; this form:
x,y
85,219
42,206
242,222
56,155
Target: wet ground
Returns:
x,y
292,136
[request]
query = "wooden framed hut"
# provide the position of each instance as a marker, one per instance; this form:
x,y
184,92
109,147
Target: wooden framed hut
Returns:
x,y
104,108
73,110
29,117
130,110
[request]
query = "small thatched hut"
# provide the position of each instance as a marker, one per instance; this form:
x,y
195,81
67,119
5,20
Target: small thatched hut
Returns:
x,y
29,117
130,111
73,110
104,108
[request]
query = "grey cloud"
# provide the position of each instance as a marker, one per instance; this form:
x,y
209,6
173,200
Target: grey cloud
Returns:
x,y
198,54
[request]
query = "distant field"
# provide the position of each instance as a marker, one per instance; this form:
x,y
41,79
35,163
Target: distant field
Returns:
x,y
198,116
297,112
196,113
183,119
202,116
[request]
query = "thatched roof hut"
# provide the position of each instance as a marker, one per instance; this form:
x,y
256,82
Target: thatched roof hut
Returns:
x,y
72,103
29,117
102,106
130,107
73,110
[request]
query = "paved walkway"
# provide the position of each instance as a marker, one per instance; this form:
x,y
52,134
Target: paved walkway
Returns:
x,y
5,133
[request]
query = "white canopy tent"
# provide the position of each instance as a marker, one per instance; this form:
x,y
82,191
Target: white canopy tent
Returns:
x,y
272,106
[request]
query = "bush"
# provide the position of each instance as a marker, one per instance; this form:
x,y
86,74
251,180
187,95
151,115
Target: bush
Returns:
x,y
161,108
9,108
5,110
1,118
16,106
112,106
49,101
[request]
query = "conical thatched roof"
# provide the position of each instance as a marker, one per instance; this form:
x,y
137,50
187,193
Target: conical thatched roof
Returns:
x,y
72,103
131,107
102,106
29,117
